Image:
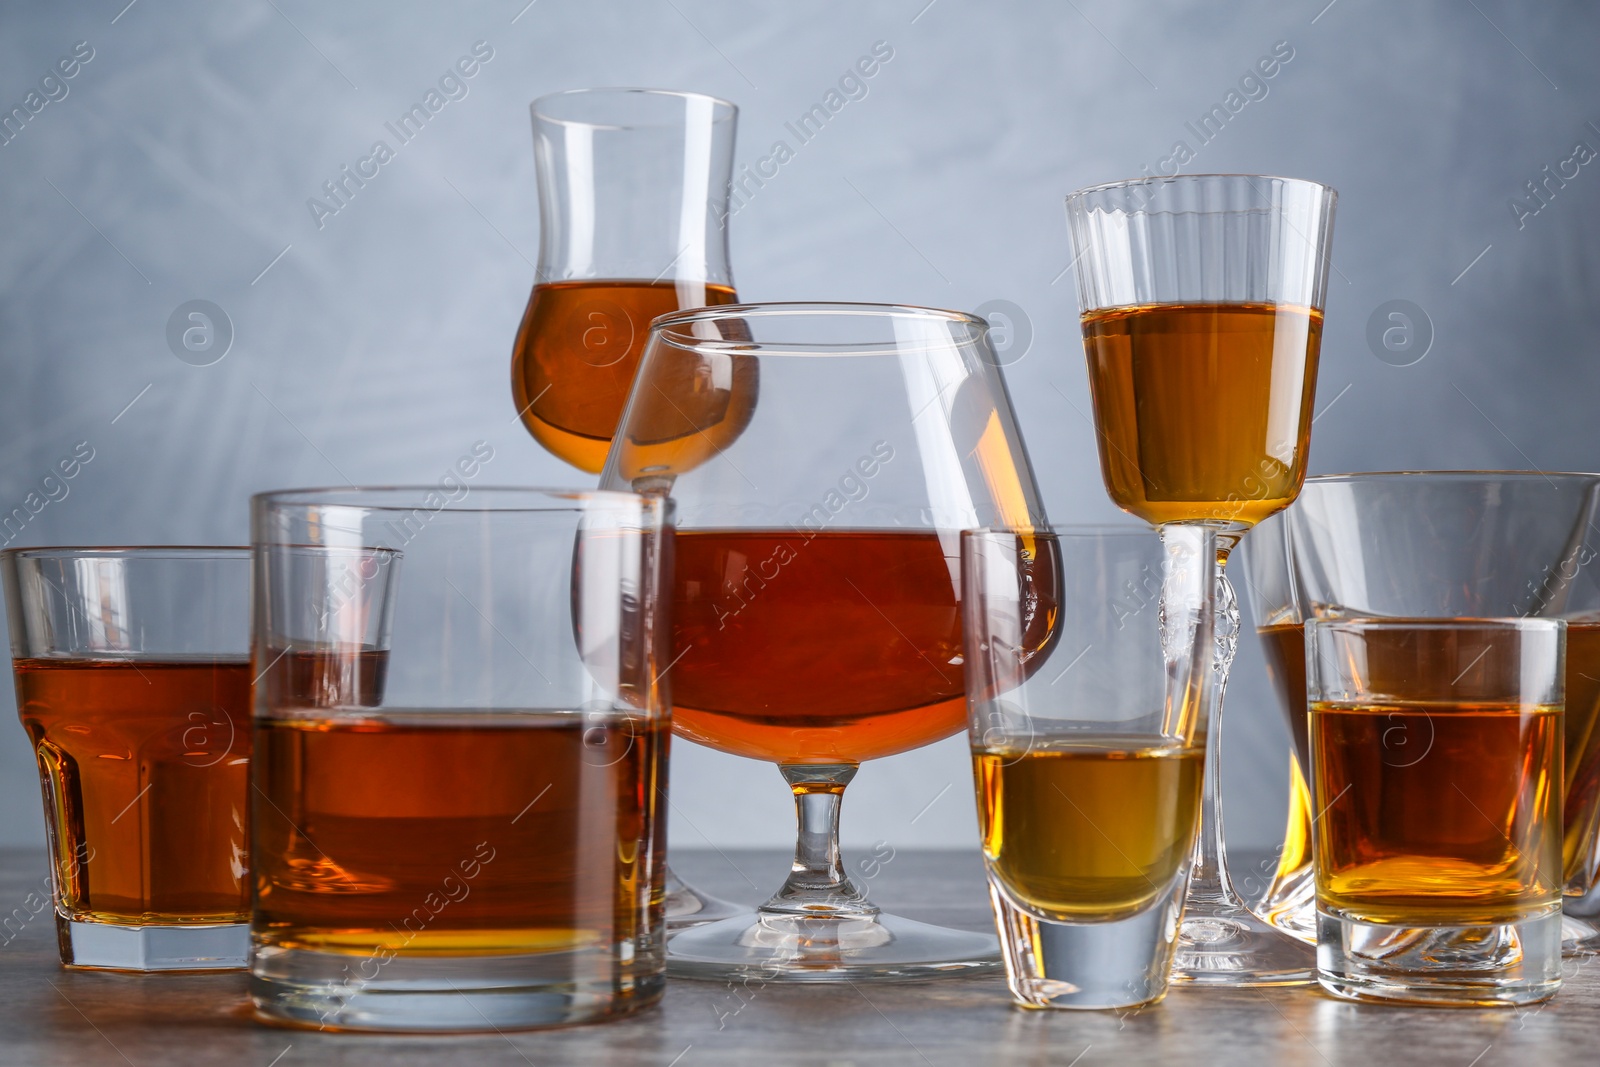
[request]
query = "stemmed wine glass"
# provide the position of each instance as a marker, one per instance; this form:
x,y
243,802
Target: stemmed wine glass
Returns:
x,y
633,211
816,590
1202,302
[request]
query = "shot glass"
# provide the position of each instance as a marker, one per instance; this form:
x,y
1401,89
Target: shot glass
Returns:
x,y
1088,655
132,668
1436,779
457,829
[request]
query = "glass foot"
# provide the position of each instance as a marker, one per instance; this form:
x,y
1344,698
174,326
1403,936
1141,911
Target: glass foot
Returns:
x,y
1579,937
1234,948
687,906
1292,907
786,948
112,947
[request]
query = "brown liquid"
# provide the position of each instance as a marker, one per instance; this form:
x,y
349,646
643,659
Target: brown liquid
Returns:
x,y
1203,411
836,647
576,354
145,768
453,833
328,676
1284,646
1087,832
1460,825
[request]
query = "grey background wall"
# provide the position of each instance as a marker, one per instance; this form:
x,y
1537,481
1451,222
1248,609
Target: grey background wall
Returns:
x,y
375,347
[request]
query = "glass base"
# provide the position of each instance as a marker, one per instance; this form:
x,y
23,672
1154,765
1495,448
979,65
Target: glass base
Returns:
x,y
1504,965
1089,966
1231,947
770,947
113,947
1579,937
1291,906
330,991
688,906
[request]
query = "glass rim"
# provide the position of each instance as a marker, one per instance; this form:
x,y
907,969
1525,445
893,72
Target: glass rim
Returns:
x,y
661,326
549,499
127,552
722,110
1461,475
1169,179
1356,623
1070,529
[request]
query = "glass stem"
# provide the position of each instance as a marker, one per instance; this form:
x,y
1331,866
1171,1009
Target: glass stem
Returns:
x,y
817,885
1209,882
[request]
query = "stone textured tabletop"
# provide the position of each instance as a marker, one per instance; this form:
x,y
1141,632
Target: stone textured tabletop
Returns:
x,y
49,1016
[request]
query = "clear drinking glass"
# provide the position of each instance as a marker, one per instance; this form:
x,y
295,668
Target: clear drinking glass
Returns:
x,y
132,668
816,591
1436,764
1089,752
458,829
1290,900
633,223
633,211
1202,302
1446,544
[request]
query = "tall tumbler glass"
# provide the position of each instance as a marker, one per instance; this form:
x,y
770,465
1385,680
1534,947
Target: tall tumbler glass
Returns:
x,y
458,828
1088,752
1447,544
1202,301
633,210
1289,902
1436,770
132,668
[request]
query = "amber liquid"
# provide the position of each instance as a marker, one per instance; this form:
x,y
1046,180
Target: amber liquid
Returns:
x,y
1460,826
577,351
145,769
1284,650
1203,411
421,833
1088,832
1284,646
326,676
836,647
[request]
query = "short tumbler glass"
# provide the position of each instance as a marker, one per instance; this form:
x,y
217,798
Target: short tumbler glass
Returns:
x,y
1436,779
461,742
132,668
1088,749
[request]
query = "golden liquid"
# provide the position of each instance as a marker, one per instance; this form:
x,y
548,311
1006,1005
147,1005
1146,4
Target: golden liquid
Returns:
x,y
576,353
1203,411
1284,647
1458,825
1088,833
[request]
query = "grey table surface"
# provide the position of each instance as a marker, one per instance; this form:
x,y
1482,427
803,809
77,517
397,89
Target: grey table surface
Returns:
x,y
50,1016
